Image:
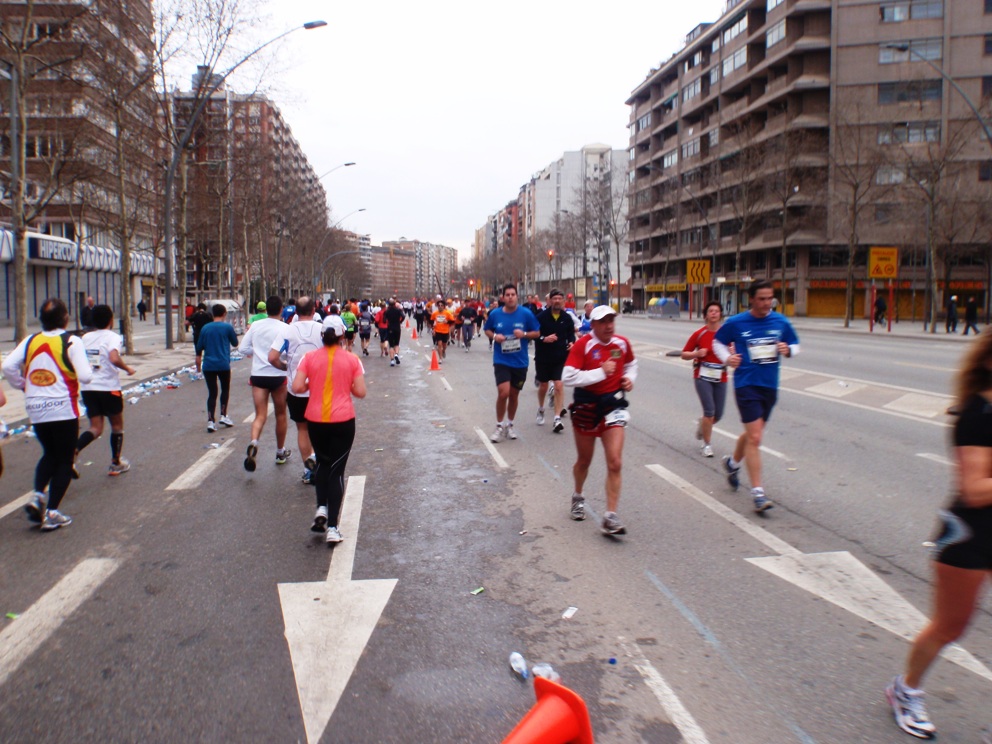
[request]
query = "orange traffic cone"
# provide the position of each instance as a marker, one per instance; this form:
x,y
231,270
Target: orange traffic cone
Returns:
x,y
558,716
435,367
407,322
413,335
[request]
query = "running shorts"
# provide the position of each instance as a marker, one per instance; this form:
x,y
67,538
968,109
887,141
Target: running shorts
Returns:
x,y
267,381
438,337
350,335
297,405
548,370
755,402
394,337
103,402
964,538
516,376
712,396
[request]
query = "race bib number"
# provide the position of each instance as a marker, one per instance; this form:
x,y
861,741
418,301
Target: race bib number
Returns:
x,y
617,417
93,357
510,345
763,351
711,372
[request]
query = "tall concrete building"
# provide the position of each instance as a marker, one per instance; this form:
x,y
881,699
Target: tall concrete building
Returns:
x,y
790,136
435,266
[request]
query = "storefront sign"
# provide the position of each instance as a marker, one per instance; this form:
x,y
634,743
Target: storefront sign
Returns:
x,y
52,252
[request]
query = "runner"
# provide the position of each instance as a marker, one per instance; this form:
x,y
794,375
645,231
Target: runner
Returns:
x,y
48,367
365,322
331,375
602,369
260,315
468,315
441,321
266,381
709,374
962,559
382,328
511,327
215,343
350,325
760,338
419,314
197,320
394,317
585,323
557,334
102,395
286,352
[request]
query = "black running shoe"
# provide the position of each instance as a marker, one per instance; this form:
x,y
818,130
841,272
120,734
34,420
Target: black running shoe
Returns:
x,y
732,477
250,459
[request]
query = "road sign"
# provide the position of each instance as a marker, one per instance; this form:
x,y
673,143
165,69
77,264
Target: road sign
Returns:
x,y
883,263
697,271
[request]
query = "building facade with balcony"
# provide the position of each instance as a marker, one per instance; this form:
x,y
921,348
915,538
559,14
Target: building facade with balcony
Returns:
x,y
435,267
788,137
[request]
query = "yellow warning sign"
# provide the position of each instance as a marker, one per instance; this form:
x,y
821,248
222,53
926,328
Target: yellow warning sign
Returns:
x,y
883,263
697,272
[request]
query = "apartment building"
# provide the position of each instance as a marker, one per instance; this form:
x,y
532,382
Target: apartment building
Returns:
x,y
790,136
71,61
435,267
392,272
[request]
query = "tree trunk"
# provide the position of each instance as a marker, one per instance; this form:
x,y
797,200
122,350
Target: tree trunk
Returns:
x,y
17,207
182,246
932,253
123,238
852,248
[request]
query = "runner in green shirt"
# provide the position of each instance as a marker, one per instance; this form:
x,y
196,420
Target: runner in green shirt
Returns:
x,y
350,323
259,315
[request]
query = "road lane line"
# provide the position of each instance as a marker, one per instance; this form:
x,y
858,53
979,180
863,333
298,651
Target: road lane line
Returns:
x,y
447,384
492,450
691,731
35,625
934,458
766,538
763,448
197,472
16,504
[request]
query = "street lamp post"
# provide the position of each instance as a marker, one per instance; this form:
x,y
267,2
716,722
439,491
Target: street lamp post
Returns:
x,y
182,144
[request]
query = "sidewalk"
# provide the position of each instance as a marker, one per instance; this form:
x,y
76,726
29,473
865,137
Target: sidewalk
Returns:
x,y
151,360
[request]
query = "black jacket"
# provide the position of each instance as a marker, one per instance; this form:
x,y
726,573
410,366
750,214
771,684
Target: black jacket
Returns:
x,y
564,328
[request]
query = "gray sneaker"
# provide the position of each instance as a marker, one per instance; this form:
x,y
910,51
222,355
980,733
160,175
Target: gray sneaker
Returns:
x,y
578,512
732,477
319,520
559,426
333,535
55,519
116,468
611,525
35,509
540,417
762,503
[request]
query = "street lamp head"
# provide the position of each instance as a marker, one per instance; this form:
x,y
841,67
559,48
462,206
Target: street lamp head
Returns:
x,y
314,24
347,164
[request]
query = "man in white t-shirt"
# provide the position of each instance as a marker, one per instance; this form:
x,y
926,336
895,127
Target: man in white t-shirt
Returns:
x,y
266,381
298,338
102,395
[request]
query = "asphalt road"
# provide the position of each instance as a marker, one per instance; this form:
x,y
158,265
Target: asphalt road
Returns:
x,y
182,637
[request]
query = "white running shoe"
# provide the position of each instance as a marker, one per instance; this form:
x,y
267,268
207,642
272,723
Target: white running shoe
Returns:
x,y
211,426
559,426
707,451
908,710
319,520
540,417
510,433
117,468
333,535
55,519
226,421
497,434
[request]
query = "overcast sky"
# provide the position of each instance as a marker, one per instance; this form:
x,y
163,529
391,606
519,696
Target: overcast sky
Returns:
x,y
449,106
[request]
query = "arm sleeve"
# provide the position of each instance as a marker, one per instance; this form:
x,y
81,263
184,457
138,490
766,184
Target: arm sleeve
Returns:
x,y
77,355
574,377
793,350
245,346
693,343
12,365
232,336
722,352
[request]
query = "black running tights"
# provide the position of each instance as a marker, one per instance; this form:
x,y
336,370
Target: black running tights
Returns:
x,y
331,446
58,450
225,391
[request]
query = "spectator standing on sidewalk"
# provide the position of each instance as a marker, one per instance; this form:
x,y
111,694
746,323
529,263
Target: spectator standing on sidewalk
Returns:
x,y
214,344
971,316
332,376
102,395
197,321
951,323
142,308
49,366
962,559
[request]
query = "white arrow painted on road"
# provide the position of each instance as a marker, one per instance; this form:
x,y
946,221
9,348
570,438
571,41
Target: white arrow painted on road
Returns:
x,y
329,623
837,577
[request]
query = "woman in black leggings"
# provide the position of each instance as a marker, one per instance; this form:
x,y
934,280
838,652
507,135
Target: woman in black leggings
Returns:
x,y
214,343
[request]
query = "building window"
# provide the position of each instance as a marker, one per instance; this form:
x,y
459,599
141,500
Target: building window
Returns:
x,y
913,91
883,214
692,90
985,171
888,175
734,61
759,261
631,154
715,137
690,148
988,6
775,34
669,159
988,44
912,132
906,10
915,51
774,4
986,86
735,29
714,76
715,46
644,122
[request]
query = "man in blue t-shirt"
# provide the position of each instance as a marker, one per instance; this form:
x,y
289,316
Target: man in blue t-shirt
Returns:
x,y
760,338
511,327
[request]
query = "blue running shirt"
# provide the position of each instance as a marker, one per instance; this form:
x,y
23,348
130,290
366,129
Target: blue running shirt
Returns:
x,y
502,322
755,340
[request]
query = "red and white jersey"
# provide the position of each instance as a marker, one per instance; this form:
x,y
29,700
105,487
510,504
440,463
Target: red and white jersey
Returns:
x,y
584,366
48,367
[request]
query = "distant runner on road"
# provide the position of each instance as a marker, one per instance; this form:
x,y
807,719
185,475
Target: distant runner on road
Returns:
x,y
709,374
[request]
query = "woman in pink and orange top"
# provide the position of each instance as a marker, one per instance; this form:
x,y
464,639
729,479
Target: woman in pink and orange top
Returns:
x,y
332,375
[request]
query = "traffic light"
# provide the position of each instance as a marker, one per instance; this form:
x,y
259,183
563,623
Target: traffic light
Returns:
x,y
551,255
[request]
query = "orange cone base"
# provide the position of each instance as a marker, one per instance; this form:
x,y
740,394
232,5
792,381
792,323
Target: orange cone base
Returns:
x,y
435,367
559,716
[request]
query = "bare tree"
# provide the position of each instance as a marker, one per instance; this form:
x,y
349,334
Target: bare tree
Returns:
x,y
746,191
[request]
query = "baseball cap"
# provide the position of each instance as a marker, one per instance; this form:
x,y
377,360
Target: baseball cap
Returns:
x,y
600,312
334,323
260,306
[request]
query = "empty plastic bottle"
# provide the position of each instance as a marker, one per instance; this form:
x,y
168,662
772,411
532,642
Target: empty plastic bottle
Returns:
x,y
519,665
547,671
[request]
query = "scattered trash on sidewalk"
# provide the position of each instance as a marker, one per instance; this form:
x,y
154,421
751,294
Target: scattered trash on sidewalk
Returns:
x,y
480,590
519,666
545,670
212,445
569,613
12,616
613,660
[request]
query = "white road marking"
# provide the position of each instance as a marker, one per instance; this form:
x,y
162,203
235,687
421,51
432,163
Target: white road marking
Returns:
x,y
691,731
447,384
836,388
197,472
23,636
271,412
323,663
16,504
497,457
934,458
837,576
925,366
919,405
763,448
